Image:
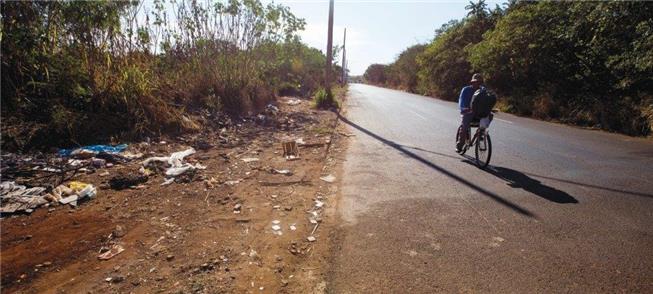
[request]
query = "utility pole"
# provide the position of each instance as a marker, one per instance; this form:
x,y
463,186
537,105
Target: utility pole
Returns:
x,y
329,47
344,54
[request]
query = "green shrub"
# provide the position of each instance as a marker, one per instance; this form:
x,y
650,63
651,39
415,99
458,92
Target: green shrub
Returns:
x,y
324,99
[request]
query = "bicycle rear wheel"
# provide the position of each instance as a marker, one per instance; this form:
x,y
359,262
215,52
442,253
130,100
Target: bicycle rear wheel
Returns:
x,y
483,148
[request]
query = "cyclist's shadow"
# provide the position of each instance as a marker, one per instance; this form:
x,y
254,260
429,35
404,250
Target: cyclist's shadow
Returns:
x,y
518,179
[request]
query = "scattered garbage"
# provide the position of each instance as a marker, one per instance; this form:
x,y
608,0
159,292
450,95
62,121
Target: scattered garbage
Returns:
x,y
286,172
98,162
176,163
311,239
328,178
232,183
271,109
18,198
290,150
74,191
168,181
250,159
293,101
115,250
237,208
93,149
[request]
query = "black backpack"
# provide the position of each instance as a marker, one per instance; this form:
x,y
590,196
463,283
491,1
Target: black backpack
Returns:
x,y
482,102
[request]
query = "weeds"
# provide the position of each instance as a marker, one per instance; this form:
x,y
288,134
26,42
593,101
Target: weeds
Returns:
x,y
95,70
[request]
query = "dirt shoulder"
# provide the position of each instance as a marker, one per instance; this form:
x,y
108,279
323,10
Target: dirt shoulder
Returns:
x,y
240,225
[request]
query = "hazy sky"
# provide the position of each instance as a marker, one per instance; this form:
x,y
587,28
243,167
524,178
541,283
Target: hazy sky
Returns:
x,y
377,31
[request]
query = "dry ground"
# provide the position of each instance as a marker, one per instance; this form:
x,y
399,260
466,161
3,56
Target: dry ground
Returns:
x,y
186,237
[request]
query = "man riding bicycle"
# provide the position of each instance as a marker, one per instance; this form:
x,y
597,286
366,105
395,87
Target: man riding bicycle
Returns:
x,y
465,105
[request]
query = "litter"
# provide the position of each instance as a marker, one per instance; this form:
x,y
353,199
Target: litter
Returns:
x,y
272,109
231,183
290,150
74,192
115,250
319,203
293,228
69,199
168,181
276,227
250,159
293,102
132,156
176,162
175,171
20,198
286,172
276,222
328,178
93,149
311,239
98,162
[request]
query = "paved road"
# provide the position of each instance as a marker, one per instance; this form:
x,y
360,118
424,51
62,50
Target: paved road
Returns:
x,y
560,210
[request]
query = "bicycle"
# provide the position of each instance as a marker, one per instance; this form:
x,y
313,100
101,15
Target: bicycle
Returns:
x,y
481,142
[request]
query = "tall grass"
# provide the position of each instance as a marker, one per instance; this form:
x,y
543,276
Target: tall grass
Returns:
x,y
80,72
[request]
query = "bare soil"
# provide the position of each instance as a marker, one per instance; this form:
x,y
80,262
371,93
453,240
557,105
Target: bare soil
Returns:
x,y
191,237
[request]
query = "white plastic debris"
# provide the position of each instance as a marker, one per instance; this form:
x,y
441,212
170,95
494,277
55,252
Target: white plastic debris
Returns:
x,y
282,172
328,178
311,239
176,162
293,101
250,159
276,227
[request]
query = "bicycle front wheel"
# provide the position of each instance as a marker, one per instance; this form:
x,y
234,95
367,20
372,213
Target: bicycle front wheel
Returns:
x,y
483,148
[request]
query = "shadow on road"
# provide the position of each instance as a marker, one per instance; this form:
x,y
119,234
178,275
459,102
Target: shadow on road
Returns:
x,y
516,176
518,179
422,160
633,193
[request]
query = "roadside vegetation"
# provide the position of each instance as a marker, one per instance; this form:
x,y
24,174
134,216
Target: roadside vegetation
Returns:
x,y
82,72
585,63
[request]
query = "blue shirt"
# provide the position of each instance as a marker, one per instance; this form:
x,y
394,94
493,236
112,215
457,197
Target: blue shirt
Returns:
x,y
465,98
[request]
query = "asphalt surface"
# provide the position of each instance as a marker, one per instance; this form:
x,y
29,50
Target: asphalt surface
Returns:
x,y
560,209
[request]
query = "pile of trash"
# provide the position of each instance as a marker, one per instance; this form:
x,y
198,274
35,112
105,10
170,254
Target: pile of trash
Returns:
x,y
29,182
175,165
18,198
99,156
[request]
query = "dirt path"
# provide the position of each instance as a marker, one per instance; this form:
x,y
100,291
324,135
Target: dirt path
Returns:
x,y
216,233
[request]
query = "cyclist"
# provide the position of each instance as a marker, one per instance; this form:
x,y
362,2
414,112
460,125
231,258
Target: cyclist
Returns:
x,y
464,103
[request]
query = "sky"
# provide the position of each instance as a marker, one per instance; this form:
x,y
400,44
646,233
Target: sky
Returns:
x,y
377,31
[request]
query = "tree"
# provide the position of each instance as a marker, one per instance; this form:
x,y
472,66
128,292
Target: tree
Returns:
x,y
376,74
